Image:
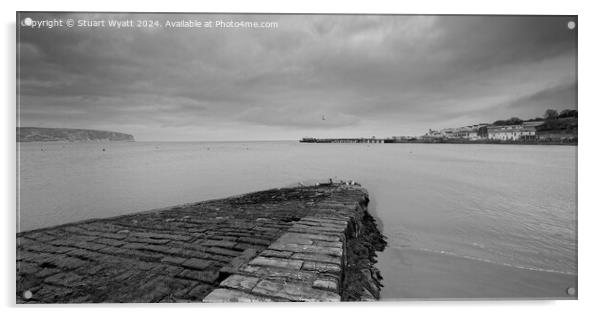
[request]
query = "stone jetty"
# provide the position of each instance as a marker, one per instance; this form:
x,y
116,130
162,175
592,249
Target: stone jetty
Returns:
x,y
308,243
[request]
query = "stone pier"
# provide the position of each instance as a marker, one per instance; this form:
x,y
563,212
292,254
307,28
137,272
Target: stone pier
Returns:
x,y
313,243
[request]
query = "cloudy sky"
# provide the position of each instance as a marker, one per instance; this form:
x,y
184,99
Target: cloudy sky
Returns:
x,y
318,75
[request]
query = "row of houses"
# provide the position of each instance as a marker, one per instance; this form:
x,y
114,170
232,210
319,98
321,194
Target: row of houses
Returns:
x,y
523,132
472,132
527,131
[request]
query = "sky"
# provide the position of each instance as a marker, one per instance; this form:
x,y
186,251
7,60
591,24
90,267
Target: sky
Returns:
x,y
311,76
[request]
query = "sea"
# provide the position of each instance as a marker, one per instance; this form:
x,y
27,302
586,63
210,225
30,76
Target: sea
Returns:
x,y
461,220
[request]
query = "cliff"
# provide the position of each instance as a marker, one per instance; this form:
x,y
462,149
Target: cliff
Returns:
x,y
39,134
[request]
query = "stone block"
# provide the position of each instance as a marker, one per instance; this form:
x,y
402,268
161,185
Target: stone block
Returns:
x,y
271,272
308,248
329,284
335,218
255,241
277,262
309,230
89,246
233,266
243,246
319,229
240,282
294,291
276,253
161,236
322,267
66,262
314,237
154,290
139,255
148,241
25,255
67,279
222,236
113,235
338,227
46,272
317,257
207,276
214,257
223,251
27,268
173,260
126,275
232,296
334,244
51,294
329,221
218,243
198,264
266,229
41,237
109,241
85,254
294,239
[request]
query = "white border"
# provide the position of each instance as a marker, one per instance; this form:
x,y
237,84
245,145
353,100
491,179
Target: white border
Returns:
x,y
589,154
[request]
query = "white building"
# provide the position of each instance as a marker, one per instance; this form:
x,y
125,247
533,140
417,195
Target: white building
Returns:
x,y
526,131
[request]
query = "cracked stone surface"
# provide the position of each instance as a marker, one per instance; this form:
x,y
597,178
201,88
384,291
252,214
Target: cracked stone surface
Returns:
x,y
275,245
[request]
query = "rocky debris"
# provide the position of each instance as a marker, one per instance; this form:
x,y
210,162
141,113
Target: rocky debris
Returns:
x,y
290,244
363,281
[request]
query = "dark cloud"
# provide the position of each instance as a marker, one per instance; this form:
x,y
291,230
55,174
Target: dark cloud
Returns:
x,y
563,96
313,75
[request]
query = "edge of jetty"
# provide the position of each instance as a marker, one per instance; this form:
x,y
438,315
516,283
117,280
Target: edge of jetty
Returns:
x,y
307,243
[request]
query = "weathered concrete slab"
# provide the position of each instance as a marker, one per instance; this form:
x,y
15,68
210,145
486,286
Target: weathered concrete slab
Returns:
x,y
275,245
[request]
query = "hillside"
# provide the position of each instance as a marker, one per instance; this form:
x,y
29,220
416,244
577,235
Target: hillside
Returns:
x,y
39,134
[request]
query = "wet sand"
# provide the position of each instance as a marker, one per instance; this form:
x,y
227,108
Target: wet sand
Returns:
x,y
414,274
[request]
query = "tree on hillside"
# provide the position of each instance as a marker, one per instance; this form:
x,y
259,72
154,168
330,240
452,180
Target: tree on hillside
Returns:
x,y
551,114
567,113
515,121
510,121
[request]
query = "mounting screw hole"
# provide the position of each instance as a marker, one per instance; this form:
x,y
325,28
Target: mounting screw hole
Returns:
x,y
571,25
27,295
571,291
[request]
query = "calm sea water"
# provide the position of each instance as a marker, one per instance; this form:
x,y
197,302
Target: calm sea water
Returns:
x,y
502,204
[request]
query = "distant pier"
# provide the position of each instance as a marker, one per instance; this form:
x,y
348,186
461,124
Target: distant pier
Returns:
x,y
308,243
